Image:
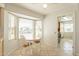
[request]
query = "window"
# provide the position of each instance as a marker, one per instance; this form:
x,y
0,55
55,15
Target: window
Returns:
x,y
25,29
66,24
38,28
68,27
30,29
11,26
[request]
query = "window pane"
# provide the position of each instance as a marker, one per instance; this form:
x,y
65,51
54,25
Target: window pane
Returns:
x,y
38,28
68,27
25,29
11,26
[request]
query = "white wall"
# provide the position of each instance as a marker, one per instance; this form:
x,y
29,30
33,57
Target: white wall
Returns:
x,y
1,29
77,30
50,26
50,23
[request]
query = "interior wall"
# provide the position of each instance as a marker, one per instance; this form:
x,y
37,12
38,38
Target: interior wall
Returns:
x,y
50,26
0,34
77,30
50,23
1,30
68,35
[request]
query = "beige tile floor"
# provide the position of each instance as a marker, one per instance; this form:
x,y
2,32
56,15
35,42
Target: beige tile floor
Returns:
x,y
64,49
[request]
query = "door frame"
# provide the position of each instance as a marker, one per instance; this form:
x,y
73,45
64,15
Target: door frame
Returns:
x,y
72,13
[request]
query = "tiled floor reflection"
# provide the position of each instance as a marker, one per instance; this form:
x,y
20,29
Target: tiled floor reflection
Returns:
x,y
64,49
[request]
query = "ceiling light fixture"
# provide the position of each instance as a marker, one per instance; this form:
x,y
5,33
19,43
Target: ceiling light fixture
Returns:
x,y
45,5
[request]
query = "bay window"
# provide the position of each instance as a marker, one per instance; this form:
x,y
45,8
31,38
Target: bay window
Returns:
x,y
27,29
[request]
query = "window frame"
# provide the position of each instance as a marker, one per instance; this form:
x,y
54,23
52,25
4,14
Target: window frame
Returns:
x,y
14,26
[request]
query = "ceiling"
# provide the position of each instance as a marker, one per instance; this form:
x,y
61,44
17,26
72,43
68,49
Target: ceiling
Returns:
x,y
51,7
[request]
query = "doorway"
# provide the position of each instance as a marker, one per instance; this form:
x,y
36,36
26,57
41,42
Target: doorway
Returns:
x,y
65,25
